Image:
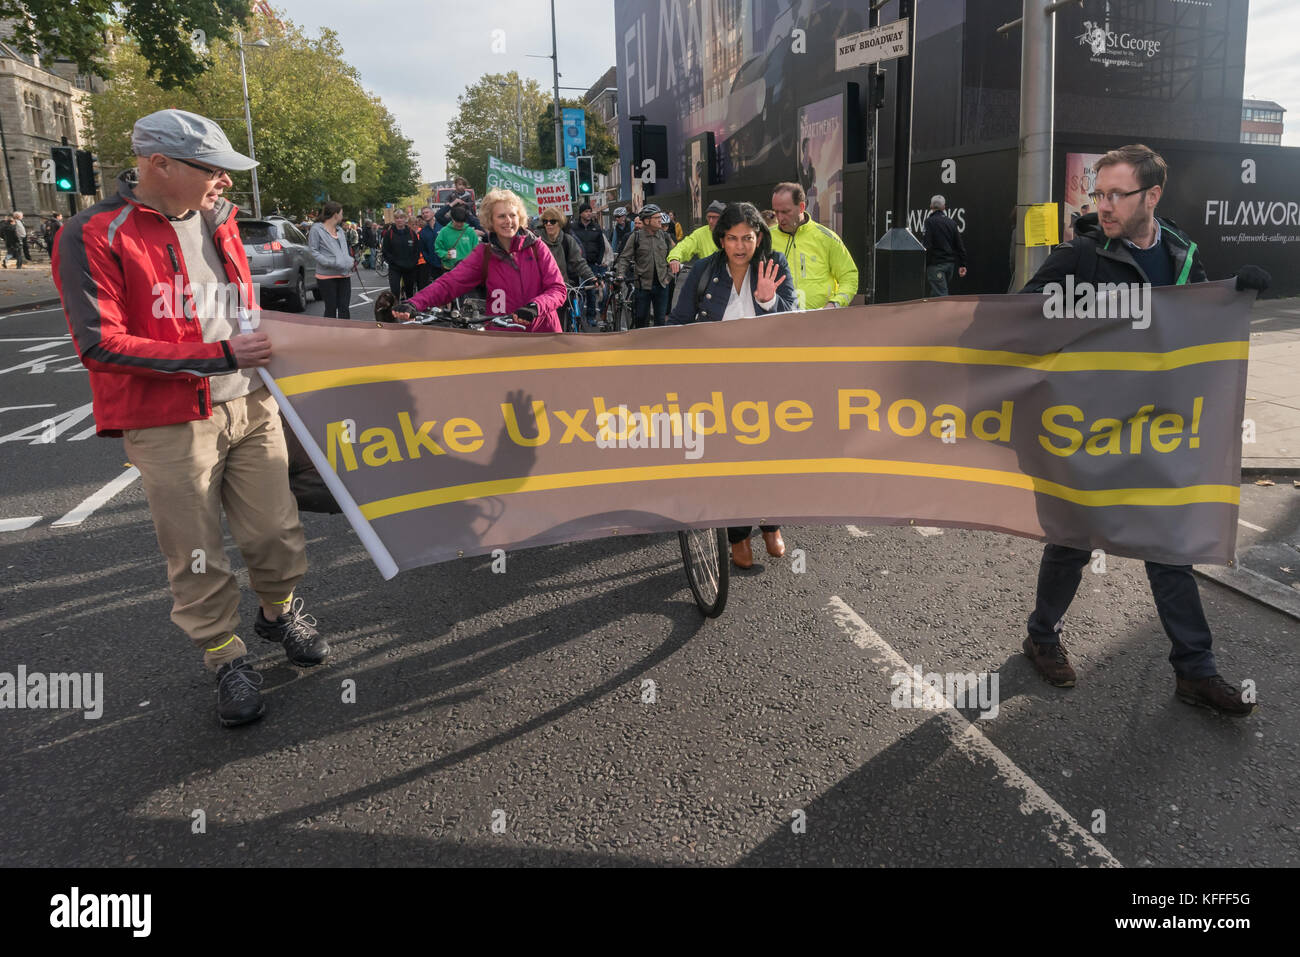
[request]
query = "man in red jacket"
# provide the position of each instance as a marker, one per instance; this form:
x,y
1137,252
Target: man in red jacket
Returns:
x,y
154,283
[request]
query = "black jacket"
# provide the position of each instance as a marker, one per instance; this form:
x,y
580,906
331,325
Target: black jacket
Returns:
x,y
593,241
1091,257
402,247
707,290
943,240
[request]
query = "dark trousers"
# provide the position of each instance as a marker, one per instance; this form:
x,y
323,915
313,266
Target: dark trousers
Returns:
x,y
645,298
1178,602
591,308
739,533
938,276
401,282
422,277
336,293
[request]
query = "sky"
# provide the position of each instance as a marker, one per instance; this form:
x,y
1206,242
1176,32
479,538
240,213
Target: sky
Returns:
x,y
419,55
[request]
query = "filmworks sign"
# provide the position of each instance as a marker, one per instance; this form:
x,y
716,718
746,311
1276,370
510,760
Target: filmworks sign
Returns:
x,y
1112,45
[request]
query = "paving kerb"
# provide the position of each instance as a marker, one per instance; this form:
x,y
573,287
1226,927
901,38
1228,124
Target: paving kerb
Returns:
x,y
28,288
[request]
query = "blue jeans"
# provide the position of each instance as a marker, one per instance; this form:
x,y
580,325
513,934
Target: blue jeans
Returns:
x,y
656,295
1178,602
938,276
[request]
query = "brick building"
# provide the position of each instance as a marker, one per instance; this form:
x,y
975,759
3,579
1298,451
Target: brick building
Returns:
x,y
42,102
1261,122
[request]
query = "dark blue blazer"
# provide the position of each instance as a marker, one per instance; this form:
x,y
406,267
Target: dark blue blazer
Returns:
x,y
717,290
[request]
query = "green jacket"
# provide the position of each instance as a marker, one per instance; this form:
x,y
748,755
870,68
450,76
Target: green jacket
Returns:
x,y
823,269
453,245
697,245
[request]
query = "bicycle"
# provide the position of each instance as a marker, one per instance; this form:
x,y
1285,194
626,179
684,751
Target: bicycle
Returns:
x,y
576,296
620,309
705,557
380,263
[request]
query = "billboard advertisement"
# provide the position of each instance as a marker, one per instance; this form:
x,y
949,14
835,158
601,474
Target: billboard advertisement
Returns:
x,y
821,159
1080,180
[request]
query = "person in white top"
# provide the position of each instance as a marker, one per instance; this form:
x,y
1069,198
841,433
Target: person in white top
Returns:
x,y
744,279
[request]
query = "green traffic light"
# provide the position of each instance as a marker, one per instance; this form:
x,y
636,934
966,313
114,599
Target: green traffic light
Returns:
x,y
585,187
65,184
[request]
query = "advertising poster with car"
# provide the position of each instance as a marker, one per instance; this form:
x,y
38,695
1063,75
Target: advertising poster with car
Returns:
x,y
1080,180
821,159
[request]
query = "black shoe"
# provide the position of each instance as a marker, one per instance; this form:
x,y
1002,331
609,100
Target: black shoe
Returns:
x,y
1213,693
1051,662
294,630
238,700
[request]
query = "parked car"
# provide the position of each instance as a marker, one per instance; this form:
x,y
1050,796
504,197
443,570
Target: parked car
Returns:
x,y
282,264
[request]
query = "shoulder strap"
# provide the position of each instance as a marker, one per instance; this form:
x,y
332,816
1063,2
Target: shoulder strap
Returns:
x,y
487,259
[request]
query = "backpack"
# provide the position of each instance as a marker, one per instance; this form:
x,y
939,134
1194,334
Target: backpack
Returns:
x,y
9,233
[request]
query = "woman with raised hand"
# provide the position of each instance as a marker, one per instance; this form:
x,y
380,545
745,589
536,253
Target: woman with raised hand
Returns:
x,y
745,278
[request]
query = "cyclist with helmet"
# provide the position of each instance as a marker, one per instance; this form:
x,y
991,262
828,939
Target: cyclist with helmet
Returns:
x,y
645,256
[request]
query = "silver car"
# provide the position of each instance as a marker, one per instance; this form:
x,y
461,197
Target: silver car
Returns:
x,y
282,265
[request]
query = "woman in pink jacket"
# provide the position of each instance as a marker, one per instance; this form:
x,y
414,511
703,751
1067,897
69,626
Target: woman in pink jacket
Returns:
x,y
517,269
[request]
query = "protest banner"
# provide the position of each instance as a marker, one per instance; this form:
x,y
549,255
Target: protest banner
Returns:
x,y
538,188
978,412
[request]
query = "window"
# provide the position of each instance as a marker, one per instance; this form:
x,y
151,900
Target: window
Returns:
x,y
62,122
35,113
45,193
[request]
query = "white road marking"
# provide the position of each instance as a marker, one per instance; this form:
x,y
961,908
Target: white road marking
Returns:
x,y
53,344
1063,831
927,531
102,497
1251,526
31,312
18,524
7,339
859,533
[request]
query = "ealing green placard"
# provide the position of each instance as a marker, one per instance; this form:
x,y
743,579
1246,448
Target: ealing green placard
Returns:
x,y
538,188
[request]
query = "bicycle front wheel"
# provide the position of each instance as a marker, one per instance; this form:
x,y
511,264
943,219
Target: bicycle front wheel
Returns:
x,y
704,556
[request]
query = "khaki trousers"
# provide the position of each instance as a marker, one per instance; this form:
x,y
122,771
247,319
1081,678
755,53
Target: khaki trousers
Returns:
x,y
236,460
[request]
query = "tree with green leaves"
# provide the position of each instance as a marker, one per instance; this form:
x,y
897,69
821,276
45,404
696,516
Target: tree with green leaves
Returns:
x,y
170,35
486,106
318,133
600,142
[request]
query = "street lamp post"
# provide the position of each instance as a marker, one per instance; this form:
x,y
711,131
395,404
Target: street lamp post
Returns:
x,y
248,116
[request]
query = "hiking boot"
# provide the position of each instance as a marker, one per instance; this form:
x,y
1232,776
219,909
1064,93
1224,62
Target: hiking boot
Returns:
x,y
1050,662
1213,693
238,700
294,630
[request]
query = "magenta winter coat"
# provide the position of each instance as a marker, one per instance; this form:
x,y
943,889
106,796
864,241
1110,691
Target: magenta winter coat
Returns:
x,y
527,274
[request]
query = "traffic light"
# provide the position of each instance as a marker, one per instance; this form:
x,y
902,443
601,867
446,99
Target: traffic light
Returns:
x,y
586,176
65,169
86,173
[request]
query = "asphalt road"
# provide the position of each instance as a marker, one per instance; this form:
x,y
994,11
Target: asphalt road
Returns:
x,y
509,718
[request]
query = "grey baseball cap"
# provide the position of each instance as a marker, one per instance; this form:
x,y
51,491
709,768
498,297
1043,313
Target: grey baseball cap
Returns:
x,y
717,206
188,136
